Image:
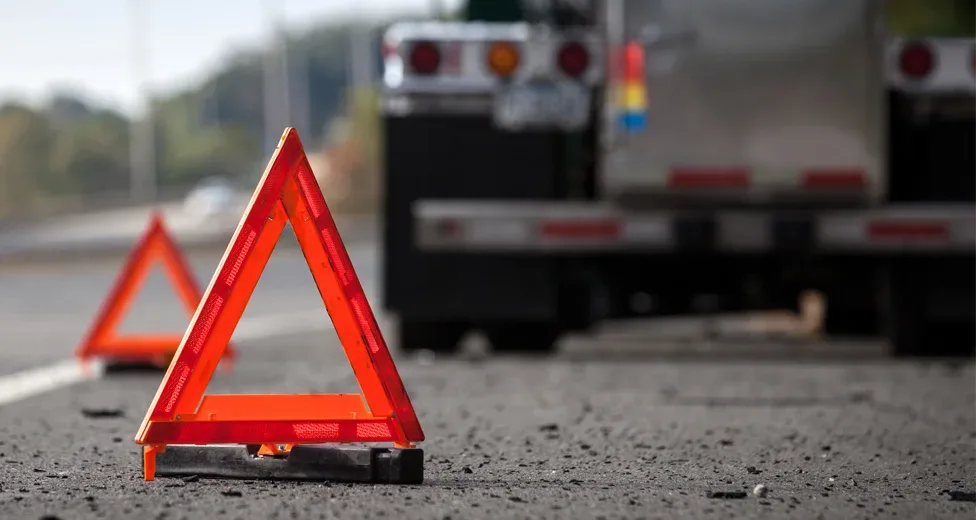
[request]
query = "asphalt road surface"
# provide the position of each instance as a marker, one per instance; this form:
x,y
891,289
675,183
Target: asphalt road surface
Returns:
x,y
610,428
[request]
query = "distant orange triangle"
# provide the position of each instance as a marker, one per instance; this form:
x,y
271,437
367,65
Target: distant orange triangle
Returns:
x,y
102,341
181,413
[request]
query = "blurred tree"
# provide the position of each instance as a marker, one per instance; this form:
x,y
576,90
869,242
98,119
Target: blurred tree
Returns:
x,y
25,143
365,146
947,18
72,148
66,108
364,119
90,156
230,151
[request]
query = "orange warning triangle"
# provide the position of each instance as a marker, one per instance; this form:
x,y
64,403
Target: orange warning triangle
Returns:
x,y
102,340
181,413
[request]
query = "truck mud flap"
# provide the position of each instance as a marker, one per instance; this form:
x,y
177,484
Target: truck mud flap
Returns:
x,y
466,158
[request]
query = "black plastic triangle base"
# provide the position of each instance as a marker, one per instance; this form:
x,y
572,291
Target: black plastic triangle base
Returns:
x,y
304,462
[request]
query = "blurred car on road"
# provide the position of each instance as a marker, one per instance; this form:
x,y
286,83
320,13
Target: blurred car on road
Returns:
x,y
211,197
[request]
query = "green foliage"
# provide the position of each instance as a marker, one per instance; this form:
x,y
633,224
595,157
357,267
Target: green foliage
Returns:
x,y
365,124
25,142
88,156
947,18
69,148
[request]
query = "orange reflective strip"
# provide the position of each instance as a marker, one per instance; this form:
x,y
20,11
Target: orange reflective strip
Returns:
x,y
337,304
138,344
269,432
307,407
367,351
235,285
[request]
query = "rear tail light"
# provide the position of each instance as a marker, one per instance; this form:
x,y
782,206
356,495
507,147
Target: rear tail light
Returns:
x,y
503,58
916,60
425,58
573,59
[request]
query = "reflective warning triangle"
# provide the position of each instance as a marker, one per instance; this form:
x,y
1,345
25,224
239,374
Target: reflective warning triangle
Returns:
x,y
181,414
102,340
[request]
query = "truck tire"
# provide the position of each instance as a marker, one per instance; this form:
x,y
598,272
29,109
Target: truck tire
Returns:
x,y
853,314
523,338
851,322
906,318
913,332
438,337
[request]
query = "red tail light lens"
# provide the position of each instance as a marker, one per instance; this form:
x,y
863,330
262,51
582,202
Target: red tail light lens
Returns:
x,y
916,60
425,58
573,59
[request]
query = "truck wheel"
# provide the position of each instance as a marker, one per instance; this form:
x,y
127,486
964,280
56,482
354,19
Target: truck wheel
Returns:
x,y
523,338
853,308
438,337
913,332
912,335
906,318
842,321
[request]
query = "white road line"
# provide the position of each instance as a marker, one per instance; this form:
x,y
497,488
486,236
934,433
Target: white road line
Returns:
x,y
36,381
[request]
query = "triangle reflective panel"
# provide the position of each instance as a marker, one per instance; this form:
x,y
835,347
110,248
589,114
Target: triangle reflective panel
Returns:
x,y
181,414
102,341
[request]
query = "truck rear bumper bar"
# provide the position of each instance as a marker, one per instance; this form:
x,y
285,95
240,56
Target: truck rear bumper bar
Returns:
x,y
587,227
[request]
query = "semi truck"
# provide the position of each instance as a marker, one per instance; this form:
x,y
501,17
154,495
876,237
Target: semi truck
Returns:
x,y
548,174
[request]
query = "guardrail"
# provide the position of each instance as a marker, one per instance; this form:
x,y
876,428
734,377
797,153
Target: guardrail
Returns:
x,y
113,233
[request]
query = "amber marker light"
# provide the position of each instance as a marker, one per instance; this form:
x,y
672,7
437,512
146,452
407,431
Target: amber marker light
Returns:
x,y
503,58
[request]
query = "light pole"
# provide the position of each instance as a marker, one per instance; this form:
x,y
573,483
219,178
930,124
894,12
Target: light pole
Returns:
x,y
142,134
360,57
437,9
277,109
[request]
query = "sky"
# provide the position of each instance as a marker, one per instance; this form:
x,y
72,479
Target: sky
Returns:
x,y
88,46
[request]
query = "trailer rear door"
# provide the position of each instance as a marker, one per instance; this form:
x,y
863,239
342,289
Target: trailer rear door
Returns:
x,y
751,100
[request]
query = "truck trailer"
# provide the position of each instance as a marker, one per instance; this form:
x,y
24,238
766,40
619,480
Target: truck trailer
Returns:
x,y
545,175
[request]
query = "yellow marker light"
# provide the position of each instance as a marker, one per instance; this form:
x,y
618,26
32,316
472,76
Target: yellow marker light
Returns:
x,y
503,58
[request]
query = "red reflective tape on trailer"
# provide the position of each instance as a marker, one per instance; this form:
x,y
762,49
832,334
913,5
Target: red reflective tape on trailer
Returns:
x,y
834,179
270,432
688,177
448,228
581,229
924,230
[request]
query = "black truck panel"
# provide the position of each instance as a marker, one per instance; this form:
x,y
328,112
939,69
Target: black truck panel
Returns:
x,y
463,157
